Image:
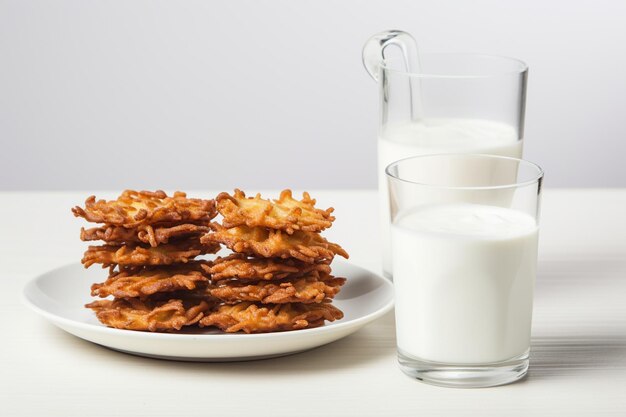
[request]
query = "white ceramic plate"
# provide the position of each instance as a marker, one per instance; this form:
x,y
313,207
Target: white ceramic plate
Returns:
x,y
59,296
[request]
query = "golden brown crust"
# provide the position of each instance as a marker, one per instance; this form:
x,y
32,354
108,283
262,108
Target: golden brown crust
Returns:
x,y
311,289
252,318
110,255
305,246
135,208
145,281
135,314
154,235
240,266
286,213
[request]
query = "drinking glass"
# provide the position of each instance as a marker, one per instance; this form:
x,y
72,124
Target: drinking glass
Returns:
x,y
442,103
464,232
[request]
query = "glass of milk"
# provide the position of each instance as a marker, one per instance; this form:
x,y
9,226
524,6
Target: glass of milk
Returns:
x,y
464,231
441,103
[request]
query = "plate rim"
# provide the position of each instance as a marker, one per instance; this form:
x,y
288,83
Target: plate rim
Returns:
x,y
54,318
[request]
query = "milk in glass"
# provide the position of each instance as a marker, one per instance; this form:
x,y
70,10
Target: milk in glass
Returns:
x,y
464,276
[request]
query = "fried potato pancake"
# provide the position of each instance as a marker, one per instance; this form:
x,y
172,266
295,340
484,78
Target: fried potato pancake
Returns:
x,y
144,281
286,213
305,246
241,267
312,289
135,314
168,254
135,208
154,235
251,318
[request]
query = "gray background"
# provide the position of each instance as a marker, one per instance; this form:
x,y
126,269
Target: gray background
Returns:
x,y
269,94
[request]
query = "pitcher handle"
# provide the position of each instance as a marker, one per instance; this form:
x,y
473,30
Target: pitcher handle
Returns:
x,y
374,51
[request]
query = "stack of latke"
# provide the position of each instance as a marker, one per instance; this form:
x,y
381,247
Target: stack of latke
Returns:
x,y
151,241
279,276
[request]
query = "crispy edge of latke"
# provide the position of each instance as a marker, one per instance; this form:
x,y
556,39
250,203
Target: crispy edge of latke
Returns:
x,y
240,266
154,316
153,235
136,255
306,289
284,213
308,247
121,212
252,318
142,282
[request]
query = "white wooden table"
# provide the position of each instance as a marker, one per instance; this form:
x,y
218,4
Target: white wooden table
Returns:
x,y
579,332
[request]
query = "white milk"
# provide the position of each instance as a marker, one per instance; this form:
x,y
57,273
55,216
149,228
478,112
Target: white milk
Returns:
x,y
464,276
435,136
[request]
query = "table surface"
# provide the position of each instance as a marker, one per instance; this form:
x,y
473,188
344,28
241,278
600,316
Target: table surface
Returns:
x,y
578,364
